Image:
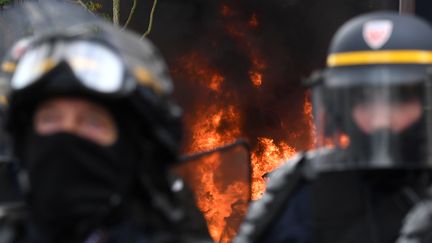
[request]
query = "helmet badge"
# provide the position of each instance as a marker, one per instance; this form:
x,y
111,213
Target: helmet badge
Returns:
x,y
376,33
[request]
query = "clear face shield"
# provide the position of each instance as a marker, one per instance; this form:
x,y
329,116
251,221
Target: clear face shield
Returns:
x,y
380,123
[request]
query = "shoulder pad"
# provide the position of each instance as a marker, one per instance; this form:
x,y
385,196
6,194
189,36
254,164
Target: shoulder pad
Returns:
x,y
417,223
277,177
312,154
330,159
12,220
11,211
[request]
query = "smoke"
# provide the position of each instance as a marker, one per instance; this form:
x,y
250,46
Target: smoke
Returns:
x,y
289,39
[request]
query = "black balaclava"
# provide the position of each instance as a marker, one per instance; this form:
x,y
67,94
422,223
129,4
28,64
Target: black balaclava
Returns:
x,y
76,185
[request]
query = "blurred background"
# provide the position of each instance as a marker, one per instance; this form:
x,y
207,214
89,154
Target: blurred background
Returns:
x,y
238,66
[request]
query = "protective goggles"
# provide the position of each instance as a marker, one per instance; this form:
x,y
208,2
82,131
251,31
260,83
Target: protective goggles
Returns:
x,y
96,65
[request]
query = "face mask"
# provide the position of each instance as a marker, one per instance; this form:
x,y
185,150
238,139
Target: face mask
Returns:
x,y
75,184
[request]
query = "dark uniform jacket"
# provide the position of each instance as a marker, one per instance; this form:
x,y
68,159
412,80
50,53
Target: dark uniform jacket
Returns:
x,y
143,223
303,204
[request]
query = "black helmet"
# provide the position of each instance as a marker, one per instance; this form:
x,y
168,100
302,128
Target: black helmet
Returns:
x,y
96,60
371,102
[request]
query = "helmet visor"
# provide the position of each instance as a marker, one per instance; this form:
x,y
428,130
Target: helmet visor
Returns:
x,y
376,126
375,75
96,66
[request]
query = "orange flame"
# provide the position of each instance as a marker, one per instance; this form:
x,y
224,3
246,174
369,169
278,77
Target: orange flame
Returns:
x,y
196,67
344,140
307,110
207,135
218,124
215,203
270,155
205,127
227,10
237,32
267,157
256,78
253,22
212,126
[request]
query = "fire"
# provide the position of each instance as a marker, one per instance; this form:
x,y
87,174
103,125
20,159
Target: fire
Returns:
x,y
217,121
215,203
215,82
206,135
341,140
212,126
205,128
307,108
258,65
253,22
267,157
197,67
256,78
344,140
227,10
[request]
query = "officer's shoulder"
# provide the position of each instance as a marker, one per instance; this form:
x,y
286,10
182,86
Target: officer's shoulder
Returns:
x,y
302,162
14,211
282,184
12,222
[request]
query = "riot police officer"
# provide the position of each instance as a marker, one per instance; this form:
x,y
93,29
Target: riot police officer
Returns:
x,y
95,131
373,122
